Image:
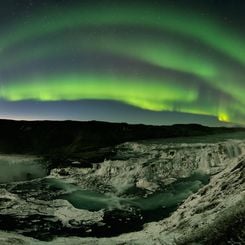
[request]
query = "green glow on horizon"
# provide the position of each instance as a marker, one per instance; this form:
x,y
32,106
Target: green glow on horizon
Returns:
x,y
151,93
224,117
138,93
161,96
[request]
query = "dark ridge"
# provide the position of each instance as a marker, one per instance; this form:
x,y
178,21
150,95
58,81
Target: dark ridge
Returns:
x,y
86,141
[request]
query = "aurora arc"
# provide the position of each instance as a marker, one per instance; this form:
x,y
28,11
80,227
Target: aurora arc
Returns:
x,y
226,101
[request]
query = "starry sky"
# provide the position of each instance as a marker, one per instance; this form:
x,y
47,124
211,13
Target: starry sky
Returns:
x,y
151,62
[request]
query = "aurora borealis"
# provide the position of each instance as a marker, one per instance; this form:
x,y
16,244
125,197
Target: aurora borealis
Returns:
x,y
153,56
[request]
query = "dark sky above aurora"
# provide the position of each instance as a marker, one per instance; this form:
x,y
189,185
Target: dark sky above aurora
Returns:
x,y
153,62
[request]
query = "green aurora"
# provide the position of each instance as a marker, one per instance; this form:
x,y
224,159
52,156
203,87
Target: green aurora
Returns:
x,y
201,60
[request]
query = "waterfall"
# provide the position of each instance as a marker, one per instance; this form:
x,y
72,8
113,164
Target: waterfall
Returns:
x,y
20,168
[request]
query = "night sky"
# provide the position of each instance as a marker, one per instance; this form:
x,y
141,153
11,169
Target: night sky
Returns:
x,y
152,62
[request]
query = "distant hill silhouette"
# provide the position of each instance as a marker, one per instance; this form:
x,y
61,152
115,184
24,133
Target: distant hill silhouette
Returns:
x,y
86,141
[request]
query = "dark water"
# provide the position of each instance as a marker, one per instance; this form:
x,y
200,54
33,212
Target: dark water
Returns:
x,y
122,214
127,214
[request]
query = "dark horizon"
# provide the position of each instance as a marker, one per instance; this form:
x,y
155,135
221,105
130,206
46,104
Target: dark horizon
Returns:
x,y
118,122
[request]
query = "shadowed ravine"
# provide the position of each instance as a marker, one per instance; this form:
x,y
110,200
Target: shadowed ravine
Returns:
x,y
143,181
131,211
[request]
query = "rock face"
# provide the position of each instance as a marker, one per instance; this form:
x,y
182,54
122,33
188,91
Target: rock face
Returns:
x,y
151,166
217,211
213,215
75,205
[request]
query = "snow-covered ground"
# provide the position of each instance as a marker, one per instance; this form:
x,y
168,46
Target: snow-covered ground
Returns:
x,y
146,168
149,166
